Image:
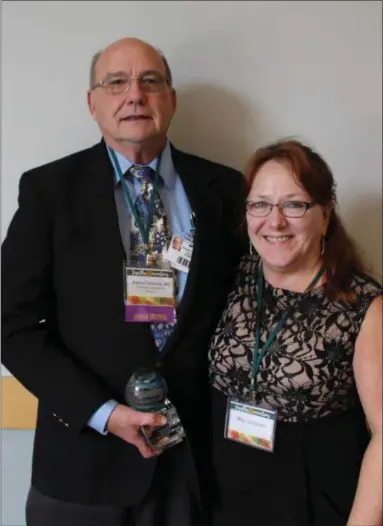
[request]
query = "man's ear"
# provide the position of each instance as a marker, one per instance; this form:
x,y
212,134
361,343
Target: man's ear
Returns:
x,y
90,103
174,99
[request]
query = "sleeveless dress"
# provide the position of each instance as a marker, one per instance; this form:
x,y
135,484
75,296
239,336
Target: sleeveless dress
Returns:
x,y
310,478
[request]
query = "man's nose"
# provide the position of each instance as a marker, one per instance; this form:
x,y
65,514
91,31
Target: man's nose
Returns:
x,y
135,94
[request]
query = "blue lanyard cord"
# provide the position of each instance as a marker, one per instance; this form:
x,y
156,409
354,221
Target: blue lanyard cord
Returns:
x,y
144,229
260,353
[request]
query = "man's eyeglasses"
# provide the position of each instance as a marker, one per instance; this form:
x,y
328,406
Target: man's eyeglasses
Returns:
x,y
287,209
152,82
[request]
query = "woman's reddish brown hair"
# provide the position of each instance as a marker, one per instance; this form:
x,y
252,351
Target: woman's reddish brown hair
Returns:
x,y
341,256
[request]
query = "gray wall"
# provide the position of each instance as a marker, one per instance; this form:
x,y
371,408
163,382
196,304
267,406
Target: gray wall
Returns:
x,y
16,452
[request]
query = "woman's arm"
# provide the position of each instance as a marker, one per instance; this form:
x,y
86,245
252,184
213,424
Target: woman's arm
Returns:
x,y
367,507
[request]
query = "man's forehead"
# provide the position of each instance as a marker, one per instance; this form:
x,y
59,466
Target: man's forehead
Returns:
x,y
128,58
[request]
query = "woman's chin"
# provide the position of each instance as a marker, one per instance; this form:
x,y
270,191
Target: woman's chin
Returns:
x,y
278,263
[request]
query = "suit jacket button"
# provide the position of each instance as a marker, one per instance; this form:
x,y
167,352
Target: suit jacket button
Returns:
x,y
158,364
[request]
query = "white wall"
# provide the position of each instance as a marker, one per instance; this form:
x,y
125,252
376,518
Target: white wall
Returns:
x,y
246,73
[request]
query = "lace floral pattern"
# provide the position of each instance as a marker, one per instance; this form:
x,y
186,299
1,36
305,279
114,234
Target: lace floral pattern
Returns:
x,y
307,372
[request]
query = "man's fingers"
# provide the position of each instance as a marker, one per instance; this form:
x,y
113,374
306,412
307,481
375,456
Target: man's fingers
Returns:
x,y
145,450
126,423
151,419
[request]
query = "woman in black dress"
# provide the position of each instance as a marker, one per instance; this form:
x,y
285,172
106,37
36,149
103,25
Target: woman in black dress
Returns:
x,y
296,360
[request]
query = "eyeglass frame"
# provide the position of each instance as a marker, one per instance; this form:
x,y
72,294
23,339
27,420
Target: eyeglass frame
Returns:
x,y
117,74
308,206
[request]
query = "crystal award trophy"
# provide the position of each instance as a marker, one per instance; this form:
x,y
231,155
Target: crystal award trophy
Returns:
x,y
146,391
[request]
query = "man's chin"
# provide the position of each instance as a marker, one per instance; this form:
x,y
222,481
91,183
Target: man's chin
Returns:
x,y
138,139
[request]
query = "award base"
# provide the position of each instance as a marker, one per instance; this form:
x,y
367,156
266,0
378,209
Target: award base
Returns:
x,y
169,435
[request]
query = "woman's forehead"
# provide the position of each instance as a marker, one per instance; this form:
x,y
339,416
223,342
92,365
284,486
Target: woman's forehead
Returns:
x,y
276,177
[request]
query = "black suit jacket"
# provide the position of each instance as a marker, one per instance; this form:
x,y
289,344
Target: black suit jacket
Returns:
x,y
63,330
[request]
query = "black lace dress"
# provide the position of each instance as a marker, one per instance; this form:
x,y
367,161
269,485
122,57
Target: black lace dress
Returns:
x,y
307,376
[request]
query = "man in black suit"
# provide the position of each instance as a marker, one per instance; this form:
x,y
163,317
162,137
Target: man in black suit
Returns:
x,y
64,331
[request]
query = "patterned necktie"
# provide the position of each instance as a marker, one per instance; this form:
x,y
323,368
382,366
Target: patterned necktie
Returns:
x,y
159,233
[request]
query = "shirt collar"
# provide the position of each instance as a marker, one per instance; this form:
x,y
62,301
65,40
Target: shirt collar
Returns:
x,y
167,170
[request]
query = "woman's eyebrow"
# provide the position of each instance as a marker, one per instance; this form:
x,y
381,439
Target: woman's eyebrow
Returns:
x,y
265,196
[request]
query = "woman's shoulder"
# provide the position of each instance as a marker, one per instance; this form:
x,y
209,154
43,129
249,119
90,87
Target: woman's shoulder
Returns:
x,y
366,289
365,286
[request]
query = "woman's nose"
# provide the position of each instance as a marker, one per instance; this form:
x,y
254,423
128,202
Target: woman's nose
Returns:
x,y
276,218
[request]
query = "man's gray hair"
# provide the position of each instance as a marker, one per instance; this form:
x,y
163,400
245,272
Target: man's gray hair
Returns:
x,y
92,75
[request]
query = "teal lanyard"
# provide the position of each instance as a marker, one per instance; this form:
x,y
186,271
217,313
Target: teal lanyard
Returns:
x,y
144,229
260,353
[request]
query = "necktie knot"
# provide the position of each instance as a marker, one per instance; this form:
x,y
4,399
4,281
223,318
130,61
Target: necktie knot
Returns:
x,y
145,174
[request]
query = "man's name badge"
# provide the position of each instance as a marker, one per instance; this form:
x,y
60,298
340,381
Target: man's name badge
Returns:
x,y
180,252
149,295
250,425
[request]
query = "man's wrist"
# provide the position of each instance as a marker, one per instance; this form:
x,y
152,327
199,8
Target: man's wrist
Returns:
x,y
99,420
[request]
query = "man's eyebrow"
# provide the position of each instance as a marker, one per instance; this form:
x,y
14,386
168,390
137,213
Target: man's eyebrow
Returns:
x,y
114,74
146,72
153,70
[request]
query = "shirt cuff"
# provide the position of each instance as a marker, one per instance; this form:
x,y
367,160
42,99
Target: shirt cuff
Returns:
x,y
98,421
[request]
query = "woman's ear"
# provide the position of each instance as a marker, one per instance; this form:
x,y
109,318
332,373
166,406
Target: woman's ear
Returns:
x,y
327,210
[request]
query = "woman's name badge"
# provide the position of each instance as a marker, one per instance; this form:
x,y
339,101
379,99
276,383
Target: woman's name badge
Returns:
x,y
250,425
149,295
179,253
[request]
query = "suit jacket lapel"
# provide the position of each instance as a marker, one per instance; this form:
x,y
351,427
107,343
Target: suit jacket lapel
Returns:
x,y
207,209
99,212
